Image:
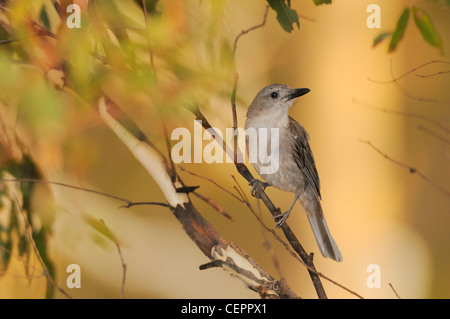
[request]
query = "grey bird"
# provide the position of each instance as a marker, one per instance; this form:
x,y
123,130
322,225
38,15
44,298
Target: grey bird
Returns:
x,y
297,171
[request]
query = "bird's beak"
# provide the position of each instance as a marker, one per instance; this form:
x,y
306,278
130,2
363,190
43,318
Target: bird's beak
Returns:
x,y
296,93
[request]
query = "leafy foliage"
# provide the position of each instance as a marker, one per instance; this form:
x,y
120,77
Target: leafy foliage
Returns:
x,y
427,29
12,226
399,31
380,38
286,16
423,22
319,2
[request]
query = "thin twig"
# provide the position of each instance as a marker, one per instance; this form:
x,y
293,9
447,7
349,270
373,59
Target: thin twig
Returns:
x,y
268,245
404,113
417,97
432,74
234,114
434,134
411,169
129,202
25,261
241,191
213,204
209,200
124,266
36,251
405,92
21,276
236,78
421,98
263,23
211,181
395,292
395,79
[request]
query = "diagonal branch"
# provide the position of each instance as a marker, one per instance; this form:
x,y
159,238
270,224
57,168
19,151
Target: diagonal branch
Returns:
x,y
395,79
243,170
411,169
36,250
129,202
405,92
404,113
243,32
119,251
434,134
221,253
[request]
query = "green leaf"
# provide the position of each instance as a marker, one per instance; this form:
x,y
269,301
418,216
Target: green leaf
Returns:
x,y
319,2
425,25
380,38
99,226
6,243
43,16
399,31
285,15
41,240
150,5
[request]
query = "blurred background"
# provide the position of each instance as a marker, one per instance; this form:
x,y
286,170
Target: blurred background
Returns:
x,y
379,212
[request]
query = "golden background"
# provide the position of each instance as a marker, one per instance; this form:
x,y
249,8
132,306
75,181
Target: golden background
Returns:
x,y
378,212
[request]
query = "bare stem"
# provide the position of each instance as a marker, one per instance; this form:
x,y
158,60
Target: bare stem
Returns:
x,y
36,250
411,169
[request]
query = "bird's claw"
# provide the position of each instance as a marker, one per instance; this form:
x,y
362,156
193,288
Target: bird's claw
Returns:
x,y
255,183
281,218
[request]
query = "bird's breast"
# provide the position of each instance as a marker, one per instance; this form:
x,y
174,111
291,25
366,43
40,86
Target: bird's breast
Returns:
x,y
273,146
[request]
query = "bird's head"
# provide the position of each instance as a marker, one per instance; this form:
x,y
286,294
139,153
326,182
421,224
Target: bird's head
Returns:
x,y
275,98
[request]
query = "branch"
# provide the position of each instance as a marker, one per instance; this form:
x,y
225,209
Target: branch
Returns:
x,y
243,170
129,202
406,93
411,169
263,23
293,254
211,202
434,134
423,76
268,244
395,79
211,181
36,250
208,240
395,292
404,113
124,266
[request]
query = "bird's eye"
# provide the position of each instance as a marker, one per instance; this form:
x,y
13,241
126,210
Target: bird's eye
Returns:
x,y
274,95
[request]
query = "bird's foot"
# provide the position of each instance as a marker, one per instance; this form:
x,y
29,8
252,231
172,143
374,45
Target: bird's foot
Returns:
x,y
281,218
255,183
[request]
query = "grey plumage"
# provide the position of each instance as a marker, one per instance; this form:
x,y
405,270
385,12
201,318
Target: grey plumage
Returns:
x,y
297,171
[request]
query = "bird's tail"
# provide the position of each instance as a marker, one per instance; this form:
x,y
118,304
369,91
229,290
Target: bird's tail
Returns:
x,y
325,241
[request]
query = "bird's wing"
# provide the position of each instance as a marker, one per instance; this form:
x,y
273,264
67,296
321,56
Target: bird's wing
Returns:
x,y
303,155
